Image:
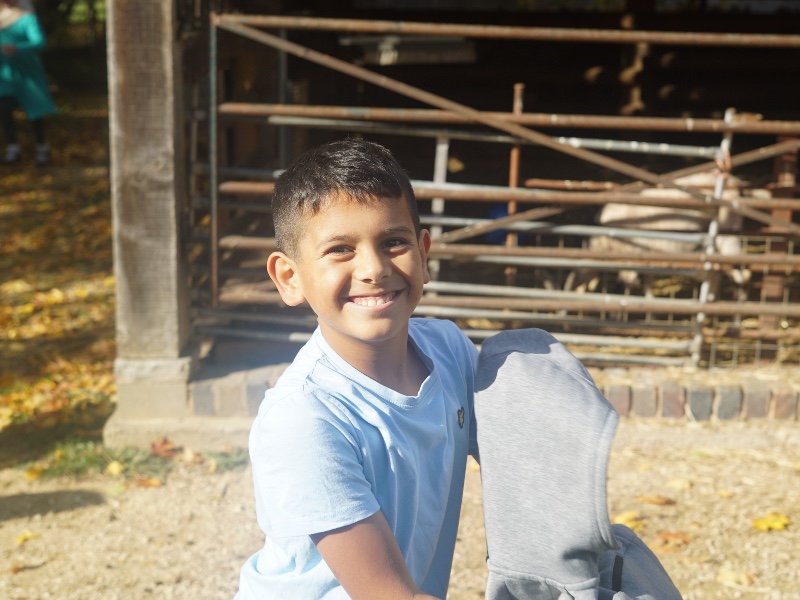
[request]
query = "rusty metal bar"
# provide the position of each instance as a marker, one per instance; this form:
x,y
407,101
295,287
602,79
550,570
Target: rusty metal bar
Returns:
x,y
417,115
630,305
551,34
737,160
485,193
790,263
513,182
575,142
495,224
602,303
571,185
256,188
660,329
245,242
562,229
427,190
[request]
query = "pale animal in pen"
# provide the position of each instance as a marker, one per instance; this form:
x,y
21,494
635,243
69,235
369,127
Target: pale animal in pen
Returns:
x,y
666,219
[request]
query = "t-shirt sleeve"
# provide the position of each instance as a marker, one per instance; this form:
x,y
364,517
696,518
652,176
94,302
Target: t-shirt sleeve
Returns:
x,y
307,469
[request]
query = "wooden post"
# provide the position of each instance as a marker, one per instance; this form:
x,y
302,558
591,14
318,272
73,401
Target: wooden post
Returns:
x,y
147,194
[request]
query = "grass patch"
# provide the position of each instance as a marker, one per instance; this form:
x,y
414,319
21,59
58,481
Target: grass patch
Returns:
x,y
230,460
75,457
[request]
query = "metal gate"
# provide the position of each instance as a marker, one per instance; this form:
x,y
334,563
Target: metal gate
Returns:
x,y
708,294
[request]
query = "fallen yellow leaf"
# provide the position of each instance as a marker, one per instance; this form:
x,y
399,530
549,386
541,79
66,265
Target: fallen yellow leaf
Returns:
x,y
725,494
679,484
212,466
658,500
192,457
24,537
55,296
772,522
631,519
15,286
34,473
731,577
672,541
148,482
115,468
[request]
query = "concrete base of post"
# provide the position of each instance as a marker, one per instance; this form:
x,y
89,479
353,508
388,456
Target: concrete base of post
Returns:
x,y
153,400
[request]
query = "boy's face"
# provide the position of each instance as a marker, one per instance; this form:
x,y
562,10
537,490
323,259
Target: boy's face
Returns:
x,y
361,267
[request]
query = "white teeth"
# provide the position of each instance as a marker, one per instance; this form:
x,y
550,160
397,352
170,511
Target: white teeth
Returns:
x,y
374,300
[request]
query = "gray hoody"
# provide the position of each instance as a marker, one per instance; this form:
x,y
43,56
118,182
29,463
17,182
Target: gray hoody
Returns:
x,y
544,434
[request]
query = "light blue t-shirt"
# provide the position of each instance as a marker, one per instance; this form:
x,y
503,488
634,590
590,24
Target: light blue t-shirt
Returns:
x,y
330,447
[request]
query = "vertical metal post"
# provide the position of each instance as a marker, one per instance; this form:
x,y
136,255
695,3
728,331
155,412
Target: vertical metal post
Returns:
x,y
194,127
283,93
513,180
711,238
212,158
437,204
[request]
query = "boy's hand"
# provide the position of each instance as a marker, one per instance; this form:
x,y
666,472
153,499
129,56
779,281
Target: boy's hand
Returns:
x,y
9,49
366,560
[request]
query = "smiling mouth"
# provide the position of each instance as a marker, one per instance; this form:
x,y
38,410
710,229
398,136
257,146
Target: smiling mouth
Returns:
x,y
374,300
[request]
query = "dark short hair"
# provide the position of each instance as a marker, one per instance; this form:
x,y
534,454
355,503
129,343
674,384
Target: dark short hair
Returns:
x,y
361,170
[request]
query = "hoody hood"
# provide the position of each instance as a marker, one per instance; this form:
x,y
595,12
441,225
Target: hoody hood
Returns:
x,y
544,435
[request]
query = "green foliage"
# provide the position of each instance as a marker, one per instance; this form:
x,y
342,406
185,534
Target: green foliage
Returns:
x,y
78,12
76,457
236,458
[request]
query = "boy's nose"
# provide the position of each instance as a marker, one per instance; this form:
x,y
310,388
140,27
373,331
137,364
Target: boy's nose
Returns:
x,y
372,266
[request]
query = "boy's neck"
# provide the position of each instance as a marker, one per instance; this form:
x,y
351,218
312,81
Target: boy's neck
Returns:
x,y
394,363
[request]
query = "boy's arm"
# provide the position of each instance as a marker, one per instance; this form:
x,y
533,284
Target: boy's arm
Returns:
x,y
366,560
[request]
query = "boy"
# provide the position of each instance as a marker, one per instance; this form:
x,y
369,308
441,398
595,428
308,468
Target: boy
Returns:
x,y
359,451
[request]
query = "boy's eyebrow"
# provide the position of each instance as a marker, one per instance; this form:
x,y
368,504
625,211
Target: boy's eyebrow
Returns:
x,y
335,239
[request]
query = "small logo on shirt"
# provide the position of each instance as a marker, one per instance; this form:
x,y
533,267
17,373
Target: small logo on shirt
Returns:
x,y
461,417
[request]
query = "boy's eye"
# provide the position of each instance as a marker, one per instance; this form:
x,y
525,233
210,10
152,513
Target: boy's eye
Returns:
x,y
396,243
338,250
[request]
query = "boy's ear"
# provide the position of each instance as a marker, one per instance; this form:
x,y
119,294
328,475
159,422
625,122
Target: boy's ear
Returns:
x,y
283,272
424,249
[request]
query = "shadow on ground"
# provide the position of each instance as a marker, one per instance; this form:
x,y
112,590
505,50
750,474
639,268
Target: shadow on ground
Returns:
x,y
28,505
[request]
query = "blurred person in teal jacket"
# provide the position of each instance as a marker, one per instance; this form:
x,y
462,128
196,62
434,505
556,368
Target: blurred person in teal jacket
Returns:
x,y
23,81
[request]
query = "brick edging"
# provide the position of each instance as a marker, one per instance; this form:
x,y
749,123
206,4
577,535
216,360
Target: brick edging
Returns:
x,y
633,394
692,402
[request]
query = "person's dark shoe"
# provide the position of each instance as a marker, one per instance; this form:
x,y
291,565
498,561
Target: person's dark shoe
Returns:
x,y
13,154
42,155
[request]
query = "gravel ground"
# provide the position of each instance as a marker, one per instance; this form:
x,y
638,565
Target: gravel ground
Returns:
x,y
95,539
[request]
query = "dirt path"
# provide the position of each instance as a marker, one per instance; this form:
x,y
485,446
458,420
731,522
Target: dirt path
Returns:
x,y
94,539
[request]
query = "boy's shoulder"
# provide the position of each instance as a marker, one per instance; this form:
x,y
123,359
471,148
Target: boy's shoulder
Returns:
x,y
424,329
